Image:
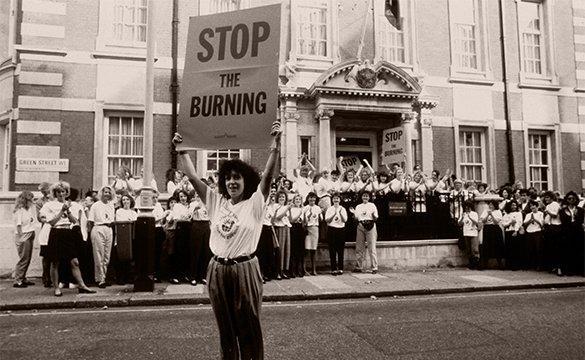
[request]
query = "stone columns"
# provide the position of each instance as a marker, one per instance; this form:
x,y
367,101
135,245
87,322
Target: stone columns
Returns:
x,y
408,120
426,140
324,118
291,120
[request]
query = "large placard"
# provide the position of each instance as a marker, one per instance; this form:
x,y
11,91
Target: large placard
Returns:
x,y
394,146
229,92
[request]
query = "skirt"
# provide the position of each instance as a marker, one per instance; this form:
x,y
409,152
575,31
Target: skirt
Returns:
x,y
493,242
312,237
63,245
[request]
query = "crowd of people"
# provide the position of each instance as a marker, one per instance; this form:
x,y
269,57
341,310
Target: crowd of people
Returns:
x,y
519,228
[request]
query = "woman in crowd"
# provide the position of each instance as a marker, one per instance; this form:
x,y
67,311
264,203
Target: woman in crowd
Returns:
x,y
123,183
512,222
303,180
506,195
418,189
572,218
349,195
469,220
312,215
366,215
159,237
382,191
170,227
267,249
493,239
125,217
182,218
176,180
200,232
552,233
62,244
336,217
281,223
84,250
236,222
534,224
43,237
25,222
101,219
297,237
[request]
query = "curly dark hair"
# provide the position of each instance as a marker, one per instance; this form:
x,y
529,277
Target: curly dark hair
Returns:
x,y
508,207
181,191
248,173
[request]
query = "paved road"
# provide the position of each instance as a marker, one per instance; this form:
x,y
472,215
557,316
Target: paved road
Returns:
x,y
546,324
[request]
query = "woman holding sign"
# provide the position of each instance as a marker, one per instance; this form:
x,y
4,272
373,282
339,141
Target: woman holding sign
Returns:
x,y
234,278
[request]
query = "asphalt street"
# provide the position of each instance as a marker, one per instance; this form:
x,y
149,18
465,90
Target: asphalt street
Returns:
x,y
544,324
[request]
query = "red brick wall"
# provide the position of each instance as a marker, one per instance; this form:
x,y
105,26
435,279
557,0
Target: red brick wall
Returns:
x,y
444,149
571,161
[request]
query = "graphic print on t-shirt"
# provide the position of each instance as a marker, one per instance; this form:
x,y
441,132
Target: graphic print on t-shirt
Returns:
x,y
227,226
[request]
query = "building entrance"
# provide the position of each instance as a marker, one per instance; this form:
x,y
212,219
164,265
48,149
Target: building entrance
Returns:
x,y
360,145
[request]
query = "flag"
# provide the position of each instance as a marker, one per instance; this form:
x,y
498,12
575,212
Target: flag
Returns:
x,y
392,12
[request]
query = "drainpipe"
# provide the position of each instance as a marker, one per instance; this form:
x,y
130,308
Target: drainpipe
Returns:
x,y
174,78
510,153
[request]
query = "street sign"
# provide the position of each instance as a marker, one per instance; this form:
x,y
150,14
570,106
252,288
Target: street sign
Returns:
x,y
229,93
25,164
393,145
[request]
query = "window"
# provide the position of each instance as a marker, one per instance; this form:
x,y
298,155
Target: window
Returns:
x,y
530,14
125,144
389,40
214,157
472,155
469,49
539,161
129,23
312,27
219,6
465,36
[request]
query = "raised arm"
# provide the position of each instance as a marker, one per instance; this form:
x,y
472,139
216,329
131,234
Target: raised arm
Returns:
x,y
189,170
272,159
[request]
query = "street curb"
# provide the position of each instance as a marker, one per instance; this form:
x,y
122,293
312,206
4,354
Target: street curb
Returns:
x,y
183,300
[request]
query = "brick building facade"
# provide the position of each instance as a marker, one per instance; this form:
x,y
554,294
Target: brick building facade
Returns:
x,y
72,87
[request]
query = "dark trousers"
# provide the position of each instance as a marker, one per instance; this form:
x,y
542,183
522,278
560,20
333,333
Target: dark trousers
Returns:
x,y
159,239
552,247
512,248
297,250
46,271
336,242
200,253
266,253
534,244
181,255
235,293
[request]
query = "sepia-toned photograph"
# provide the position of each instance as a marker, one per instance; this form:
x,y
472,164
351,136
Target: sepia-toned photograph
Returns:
x,y
292,179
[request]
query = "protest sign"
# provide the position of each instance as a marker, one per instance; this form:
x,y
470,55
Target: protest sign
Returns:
x,y
393,146
229,92
351,162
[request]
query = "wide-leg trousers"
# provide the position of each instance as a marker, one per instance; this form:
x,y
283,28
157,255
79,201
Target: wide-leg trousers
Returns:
x,y
101,240
362,238
235,292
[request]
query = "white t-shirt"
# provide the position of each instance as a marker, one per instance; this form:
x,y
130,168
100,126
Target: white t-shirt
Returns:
x,y
311,215
553,208
495,219
235,228
159,214
303,186
509,224
366,211
101,214
281,210
181,212
340,214
50,210
198,210
126,215
268,215
533,227
469,228
27,219
296,213
397,185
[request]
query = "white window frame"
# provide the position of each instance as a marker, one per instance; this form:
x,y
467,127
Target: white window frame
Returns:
x,y
105,176
529,166
312,61
382,24
483,72
483,148
548,78
106,40
207,7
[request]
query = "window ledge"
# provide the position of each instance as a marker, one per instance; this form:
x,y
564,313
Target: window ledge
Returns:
x,y
579,90
473,81
540,86
119,56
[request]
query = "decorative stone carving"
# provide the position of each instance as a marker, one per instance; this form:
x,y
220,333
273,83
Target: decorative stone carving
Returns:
x,y
324,113
408,117
291,116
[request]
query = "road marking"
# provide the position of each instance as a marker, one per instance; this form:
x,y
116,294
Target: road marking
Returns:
x,y
484,278
298,304
324,282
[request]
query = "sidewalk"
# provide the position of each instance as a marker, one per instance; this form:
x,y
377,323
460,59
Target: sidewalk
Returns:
x,y
323,286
